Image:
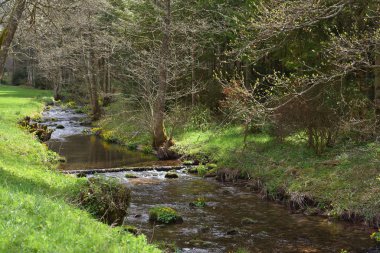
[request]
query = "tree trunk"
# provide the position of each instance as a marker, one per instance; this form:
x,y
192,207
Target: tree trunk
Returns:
x,y
94,82
159,133
58,85
9,31
377,87
193,88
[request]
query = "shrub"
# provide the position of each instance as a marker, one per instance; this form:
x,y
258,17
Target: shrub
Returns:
x,y
109,136
164,215
200,202
106,198
147,150
70,104
132,146
202,170
376,236
96,131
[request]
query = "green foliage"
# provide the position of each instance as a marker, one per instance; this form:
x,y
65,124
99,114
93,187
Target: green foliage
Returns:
x,y
108,136
132,146
188,162
130,176
96,130
70,105
376,236
164,215
147,149
199,202
131,229
201,170
35,215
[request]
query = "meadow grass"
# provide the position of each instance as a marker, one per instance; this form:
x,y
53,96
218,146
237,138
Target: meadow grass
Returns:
x,y
35,212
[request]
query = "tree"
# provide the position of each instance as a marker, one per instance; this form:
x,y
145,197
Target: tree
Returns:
x,y
7,34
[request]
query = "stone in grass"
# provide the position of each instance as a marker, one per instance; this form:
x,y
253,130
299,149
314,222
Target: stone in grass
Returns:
x,y
60,127
130,176
165,215
171,174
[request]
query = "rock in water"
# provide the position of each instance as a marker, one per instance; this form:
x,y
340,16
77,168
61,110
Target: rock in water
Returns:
x,y
171,175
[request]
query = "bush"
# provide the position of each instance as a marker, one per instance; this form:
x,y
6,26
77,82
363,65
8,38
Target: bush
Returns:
x,y
200,202
106,198
164,215
202,170
376,236
132,146
147,150
109,136
96,131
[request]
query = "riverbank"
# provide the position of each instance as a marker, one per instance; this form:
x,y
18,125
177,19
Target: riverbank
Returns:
x,y
35,213
341,183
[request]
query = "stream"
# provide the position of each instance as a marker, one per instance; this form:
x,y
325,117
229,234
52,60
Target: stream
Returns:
x,y
220,226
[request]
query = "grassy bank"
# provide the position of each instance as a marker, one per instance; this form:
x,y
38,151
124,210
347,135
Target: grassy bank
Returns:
x,y
343,182
34,212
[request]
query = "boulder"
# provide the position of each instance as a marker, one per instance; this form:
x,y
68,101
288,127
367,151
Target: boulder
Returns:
x,y
171,175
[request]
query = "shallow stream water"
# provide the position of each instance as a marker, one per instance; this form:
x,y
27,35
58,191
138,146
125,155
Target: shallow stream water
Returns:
x,y
218,227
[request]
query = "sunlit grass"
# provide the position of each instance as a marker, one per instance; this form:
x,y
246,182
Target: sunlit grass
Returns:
x,y
34,212
344,178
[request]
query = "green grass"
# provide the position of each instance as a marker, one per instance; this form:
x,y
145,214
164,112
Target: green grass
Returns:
x,y
35,215
345,179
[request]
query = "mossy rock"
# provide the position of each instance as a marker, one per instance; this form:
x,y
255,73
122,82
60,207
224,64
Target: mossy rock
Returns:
x,y
248,221
81,175
62,159
188,162
131,229
192,170
106,198
211,173
165,215
171,175
130,176
211,166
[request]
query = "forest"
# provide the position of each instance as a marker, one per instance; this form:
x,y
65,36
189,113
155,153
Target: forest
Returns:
x,y
279,101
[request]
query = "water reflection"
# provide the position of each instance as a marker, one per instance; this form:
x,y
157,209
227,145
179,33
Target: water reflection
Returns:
x,y
90,152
